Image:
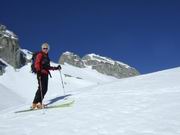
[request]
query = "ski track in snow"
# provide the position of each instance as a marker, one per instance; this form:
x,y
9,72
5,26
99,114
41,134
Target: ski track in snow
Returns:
x,y
142,105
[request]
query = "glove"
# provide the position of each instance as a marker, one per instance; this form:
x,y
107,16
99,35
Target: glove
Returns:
x,y
58,67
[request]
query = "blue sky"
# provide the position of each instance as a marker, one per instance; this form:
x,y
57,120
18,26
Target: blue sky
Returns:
x,y
142,33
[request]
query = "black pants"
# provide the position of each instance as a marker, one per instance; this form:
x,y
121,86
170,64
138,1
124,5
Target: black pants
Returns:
x,y
42,87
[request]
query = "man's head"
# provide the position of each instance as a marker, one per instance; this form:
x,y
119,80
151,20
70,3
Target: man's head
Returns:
x,y
45,47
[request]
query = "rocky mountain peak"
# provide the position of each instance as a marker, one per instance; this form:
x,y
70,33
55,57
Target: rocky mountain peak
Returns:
x,y
7,33
99,63
72,59
9,48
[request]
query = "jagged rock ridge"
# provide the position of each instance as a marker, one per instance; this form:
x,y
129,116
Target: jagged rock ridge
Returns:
x,y
101,64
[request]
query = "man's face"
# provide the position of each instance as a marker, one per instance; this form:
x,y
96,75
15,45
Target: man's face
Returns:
x,y
45,49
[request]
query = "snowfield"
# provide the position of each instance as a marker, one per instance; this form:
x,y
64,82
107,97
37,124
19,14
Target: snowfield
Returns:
x,y
143,105
7,93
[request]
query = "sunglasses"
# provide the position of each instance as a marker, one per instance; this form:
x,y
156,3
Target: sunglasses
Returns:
x,y
45,48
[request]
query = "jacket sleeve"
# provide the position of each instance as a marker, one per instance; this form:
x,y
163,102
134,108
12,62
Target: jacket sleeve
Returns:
x,y
38,62
52,68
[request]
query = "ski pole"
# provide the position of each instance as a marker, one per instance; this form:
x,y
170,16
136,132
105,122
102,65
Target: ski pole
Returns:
x,y
62,82
40,85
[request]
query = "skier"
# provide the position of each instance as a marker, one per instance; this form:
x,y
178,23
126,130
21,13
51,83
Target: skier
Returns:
x,y
42,67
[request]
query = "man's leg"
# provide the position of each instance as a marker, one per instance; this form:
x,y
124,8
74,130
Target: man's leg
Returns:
x,y
37,97
44,85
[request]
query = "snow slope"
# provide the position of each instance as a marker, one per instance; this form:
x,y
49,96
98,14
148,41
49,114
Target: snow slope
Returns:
x,y
143,105
24,83
15,99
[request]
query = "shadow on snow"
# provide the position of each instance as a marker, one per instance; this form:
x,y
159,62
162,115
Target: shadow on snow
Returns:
x,y
51,101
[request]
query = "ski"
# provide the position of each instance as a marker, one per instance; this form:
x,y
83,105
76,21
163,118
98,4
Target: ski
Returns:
x,y
62,105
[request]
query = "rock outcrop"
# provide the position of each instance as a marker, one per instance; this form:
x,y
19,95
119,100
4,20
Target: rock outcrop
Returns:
x,y
10,49
101,64
72,59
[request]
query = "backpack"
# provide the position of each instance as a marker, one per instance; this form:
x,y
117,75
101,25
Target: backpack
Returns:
x,y
33,59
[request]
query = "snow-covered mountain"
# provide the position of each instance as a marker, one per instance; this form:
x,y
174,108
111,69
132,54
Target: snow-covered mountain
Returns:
x,y
142,105
99,63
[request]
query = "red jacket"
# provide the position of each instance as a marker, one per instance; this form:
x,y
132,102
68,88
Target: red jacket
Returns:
x,y
38,63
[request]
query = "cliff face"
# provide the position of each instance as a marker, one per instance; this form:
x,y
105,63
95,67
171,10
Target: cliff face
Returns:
x,y
10,49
